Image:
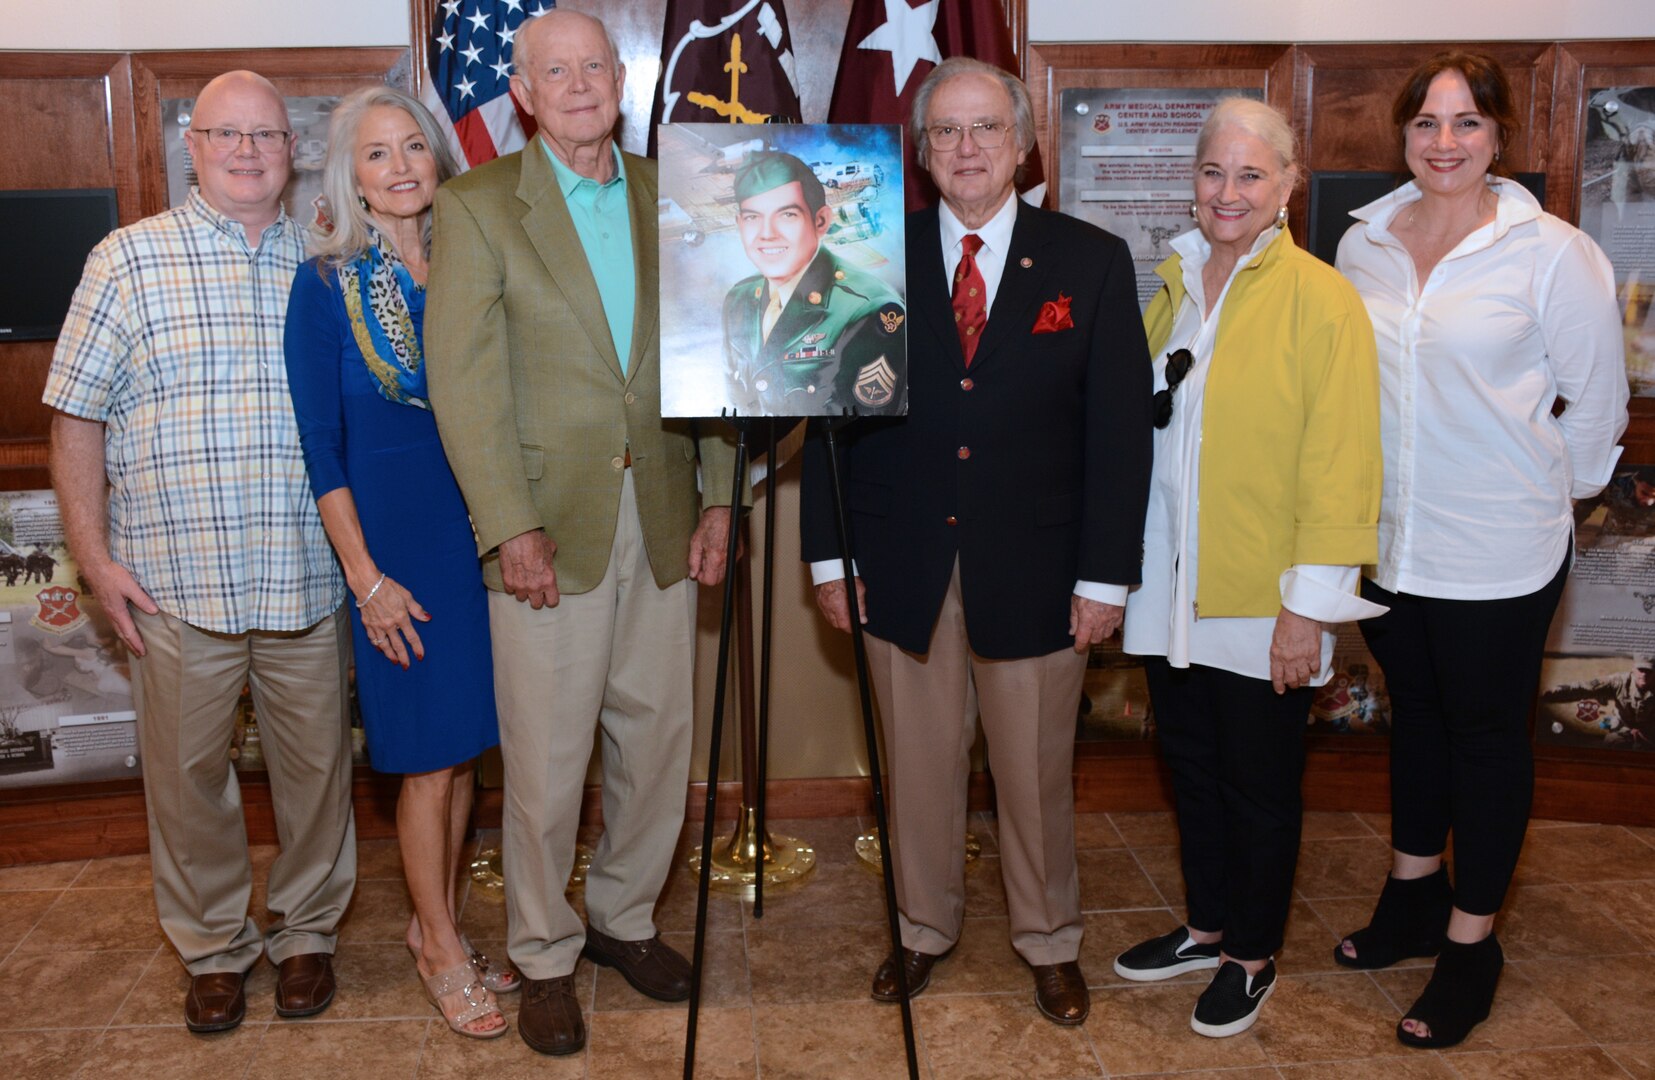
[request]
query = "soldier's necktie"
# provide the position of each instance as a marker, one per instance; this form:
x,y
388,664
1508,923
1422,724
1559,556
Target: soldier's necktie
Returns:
x,y
772,314
970,298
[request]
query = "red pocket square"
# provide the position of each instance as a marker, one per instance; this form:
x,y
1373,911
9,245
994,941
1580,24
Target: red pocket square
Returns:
x,y
1054,316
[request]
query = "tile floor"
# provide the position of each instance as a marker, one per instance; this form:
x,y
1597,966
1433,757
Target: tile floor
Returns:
x,y
88,989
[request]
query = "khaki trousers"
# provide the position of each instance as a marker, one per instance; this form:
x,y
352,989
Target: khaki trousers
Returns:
x,y
615,662
186,688
928,706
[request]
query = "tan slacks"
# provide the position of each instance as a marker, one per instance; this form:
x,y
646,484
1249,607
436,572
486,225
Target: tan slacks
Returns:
x,y
186,688
928,706
616,662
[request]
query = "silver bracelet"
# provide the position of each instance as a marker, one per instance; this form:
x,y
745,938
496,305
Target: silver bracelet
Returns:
x,y
362,603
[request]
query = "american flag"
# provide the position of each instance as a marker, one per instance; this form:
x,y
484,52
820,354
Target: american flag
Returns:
x,y
468,89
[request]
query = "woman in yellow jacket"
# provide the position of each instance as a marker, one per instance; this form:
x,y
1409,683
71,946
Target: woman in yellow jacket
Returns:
x,y
1263,505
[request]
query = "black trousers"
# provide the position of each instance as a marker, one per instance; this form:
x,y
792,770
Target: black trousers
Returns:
x,y
1236,752
1461,676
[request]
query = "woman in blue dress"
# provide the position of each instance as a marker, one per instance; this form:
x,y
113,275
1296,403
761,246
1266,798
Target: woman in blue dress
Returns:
x,y
424,676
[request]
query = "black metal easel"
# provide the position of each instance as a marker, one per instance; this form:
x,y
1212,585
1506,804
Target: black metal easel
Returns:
x,y
697,962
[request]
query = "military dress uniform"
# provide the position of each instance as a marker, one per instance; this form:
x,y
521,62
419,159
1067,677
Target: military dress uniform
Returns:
x,y
839,344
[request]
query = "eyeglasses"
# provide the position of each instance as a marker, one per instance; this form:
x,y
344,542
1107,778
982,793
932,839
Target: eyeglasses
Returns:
x,y
1178,365
987,134
265,140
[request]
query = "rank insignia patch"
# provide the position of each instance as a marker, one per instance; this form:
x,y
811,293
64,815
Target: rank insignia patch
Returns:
x,y
876,383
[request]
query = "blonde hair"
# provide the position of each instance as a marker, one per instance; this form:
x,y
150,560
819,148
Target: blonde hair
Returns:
x,y
347,236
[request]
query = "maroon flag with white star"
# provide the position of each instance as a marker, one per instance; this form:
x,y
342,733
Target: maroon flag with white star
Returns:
x,y
891,45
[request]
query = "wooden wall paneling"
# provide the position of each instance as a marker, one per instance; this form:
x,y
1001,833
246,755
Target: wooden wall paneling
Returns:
x,y
24,422
1052,68
158,76
1344,99
1583,66
57,132
69,124
97,820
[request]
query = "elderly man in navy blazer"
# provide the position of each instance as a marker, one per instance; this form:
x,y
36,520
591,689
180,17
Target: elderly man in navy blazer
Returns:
x,y
996,528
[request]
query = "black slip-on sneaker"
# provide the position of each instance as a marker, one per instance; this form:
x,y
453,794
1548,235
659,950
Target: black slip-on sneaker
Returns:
x,y
1165,956
1231,1002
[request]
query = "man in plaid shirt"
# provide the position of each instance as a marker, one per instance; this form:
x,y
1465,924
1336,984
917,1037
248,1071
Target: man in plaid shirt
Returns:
x,y
176,462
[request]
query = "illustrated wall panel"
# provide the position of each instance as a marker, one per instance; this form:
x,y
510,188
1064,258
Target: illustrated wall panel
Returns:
x,y
1606,116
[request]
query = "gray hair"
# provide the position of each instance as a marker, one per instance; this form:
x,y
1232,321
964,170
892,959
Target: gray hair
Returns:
x,y
520,49
1262,122
348,236
1022,106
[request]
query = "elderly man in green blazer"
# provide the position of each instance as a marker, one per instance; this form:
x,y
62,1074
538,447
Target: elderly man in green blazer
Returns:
x,y
544,352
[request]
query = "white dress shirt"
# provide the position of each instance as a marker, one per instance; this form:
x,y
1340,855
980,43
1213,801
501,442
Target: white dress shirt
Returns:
x,y
1161,617
1478,472
991,264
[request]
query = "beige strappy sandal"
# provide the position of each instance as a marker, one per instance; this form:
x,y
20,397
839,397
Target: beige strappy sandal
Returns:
x,y
501,977
477,1004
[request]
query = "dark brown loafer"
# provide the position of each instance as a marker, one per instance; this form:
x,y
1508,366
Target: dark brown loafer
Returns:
x,y
653,967
549,1019
917,966
304,985
216,1002
1060,991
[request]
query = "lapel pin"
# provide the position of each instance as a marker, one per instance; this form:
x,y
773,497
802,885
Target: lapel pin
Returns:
x,y
1026,262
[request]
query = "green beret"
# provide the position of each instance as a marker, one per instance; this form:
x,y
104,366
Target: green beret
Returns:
x,y
770,169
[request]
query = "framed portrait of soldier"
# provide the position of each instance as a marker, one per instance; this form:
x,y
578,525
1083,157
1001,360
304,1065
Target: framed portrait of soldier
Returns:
x,y
783,289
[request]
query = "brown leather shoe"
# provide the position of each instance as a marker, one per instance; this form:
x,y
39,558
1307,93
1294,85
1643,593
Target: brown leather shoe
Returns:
x,y
549,1018
653,967
1060,991
918,967
216,1002
304,985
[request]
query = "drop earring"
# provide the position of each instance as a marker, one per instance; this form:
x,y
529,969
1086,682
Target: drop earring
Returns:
x,y
1192,210
1281,218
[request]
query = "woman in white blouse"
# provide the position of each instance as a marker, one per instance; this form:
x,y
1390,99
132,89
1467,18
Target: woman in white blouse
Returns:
x,y
1263,503
1488,312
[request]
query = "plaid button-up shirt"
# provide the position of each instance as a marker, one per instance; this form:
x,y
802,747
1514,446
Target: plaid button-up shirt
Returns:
x,y
174,342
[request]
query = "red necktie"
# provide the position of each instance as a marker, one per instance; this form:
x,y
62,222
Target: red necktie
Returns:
x,y
970,298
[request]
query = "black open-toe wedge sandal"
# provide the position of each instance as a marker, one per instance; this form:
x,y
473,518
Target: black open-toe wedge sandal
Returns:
x,y
1411,919
1459,995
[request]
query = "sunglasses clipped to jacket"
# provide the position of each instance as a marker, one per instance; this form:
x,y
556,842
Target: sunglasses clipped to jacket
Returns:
x,y
1178,365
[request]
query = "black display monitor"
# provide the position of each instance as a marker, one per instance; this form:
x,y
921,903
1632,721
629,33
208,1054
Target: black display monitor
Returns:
x,y
1333,195
45,237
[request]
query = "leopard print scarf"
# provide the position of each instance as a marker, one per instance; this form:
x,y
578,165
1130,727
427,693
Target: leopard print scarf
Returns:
x,y
379,293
